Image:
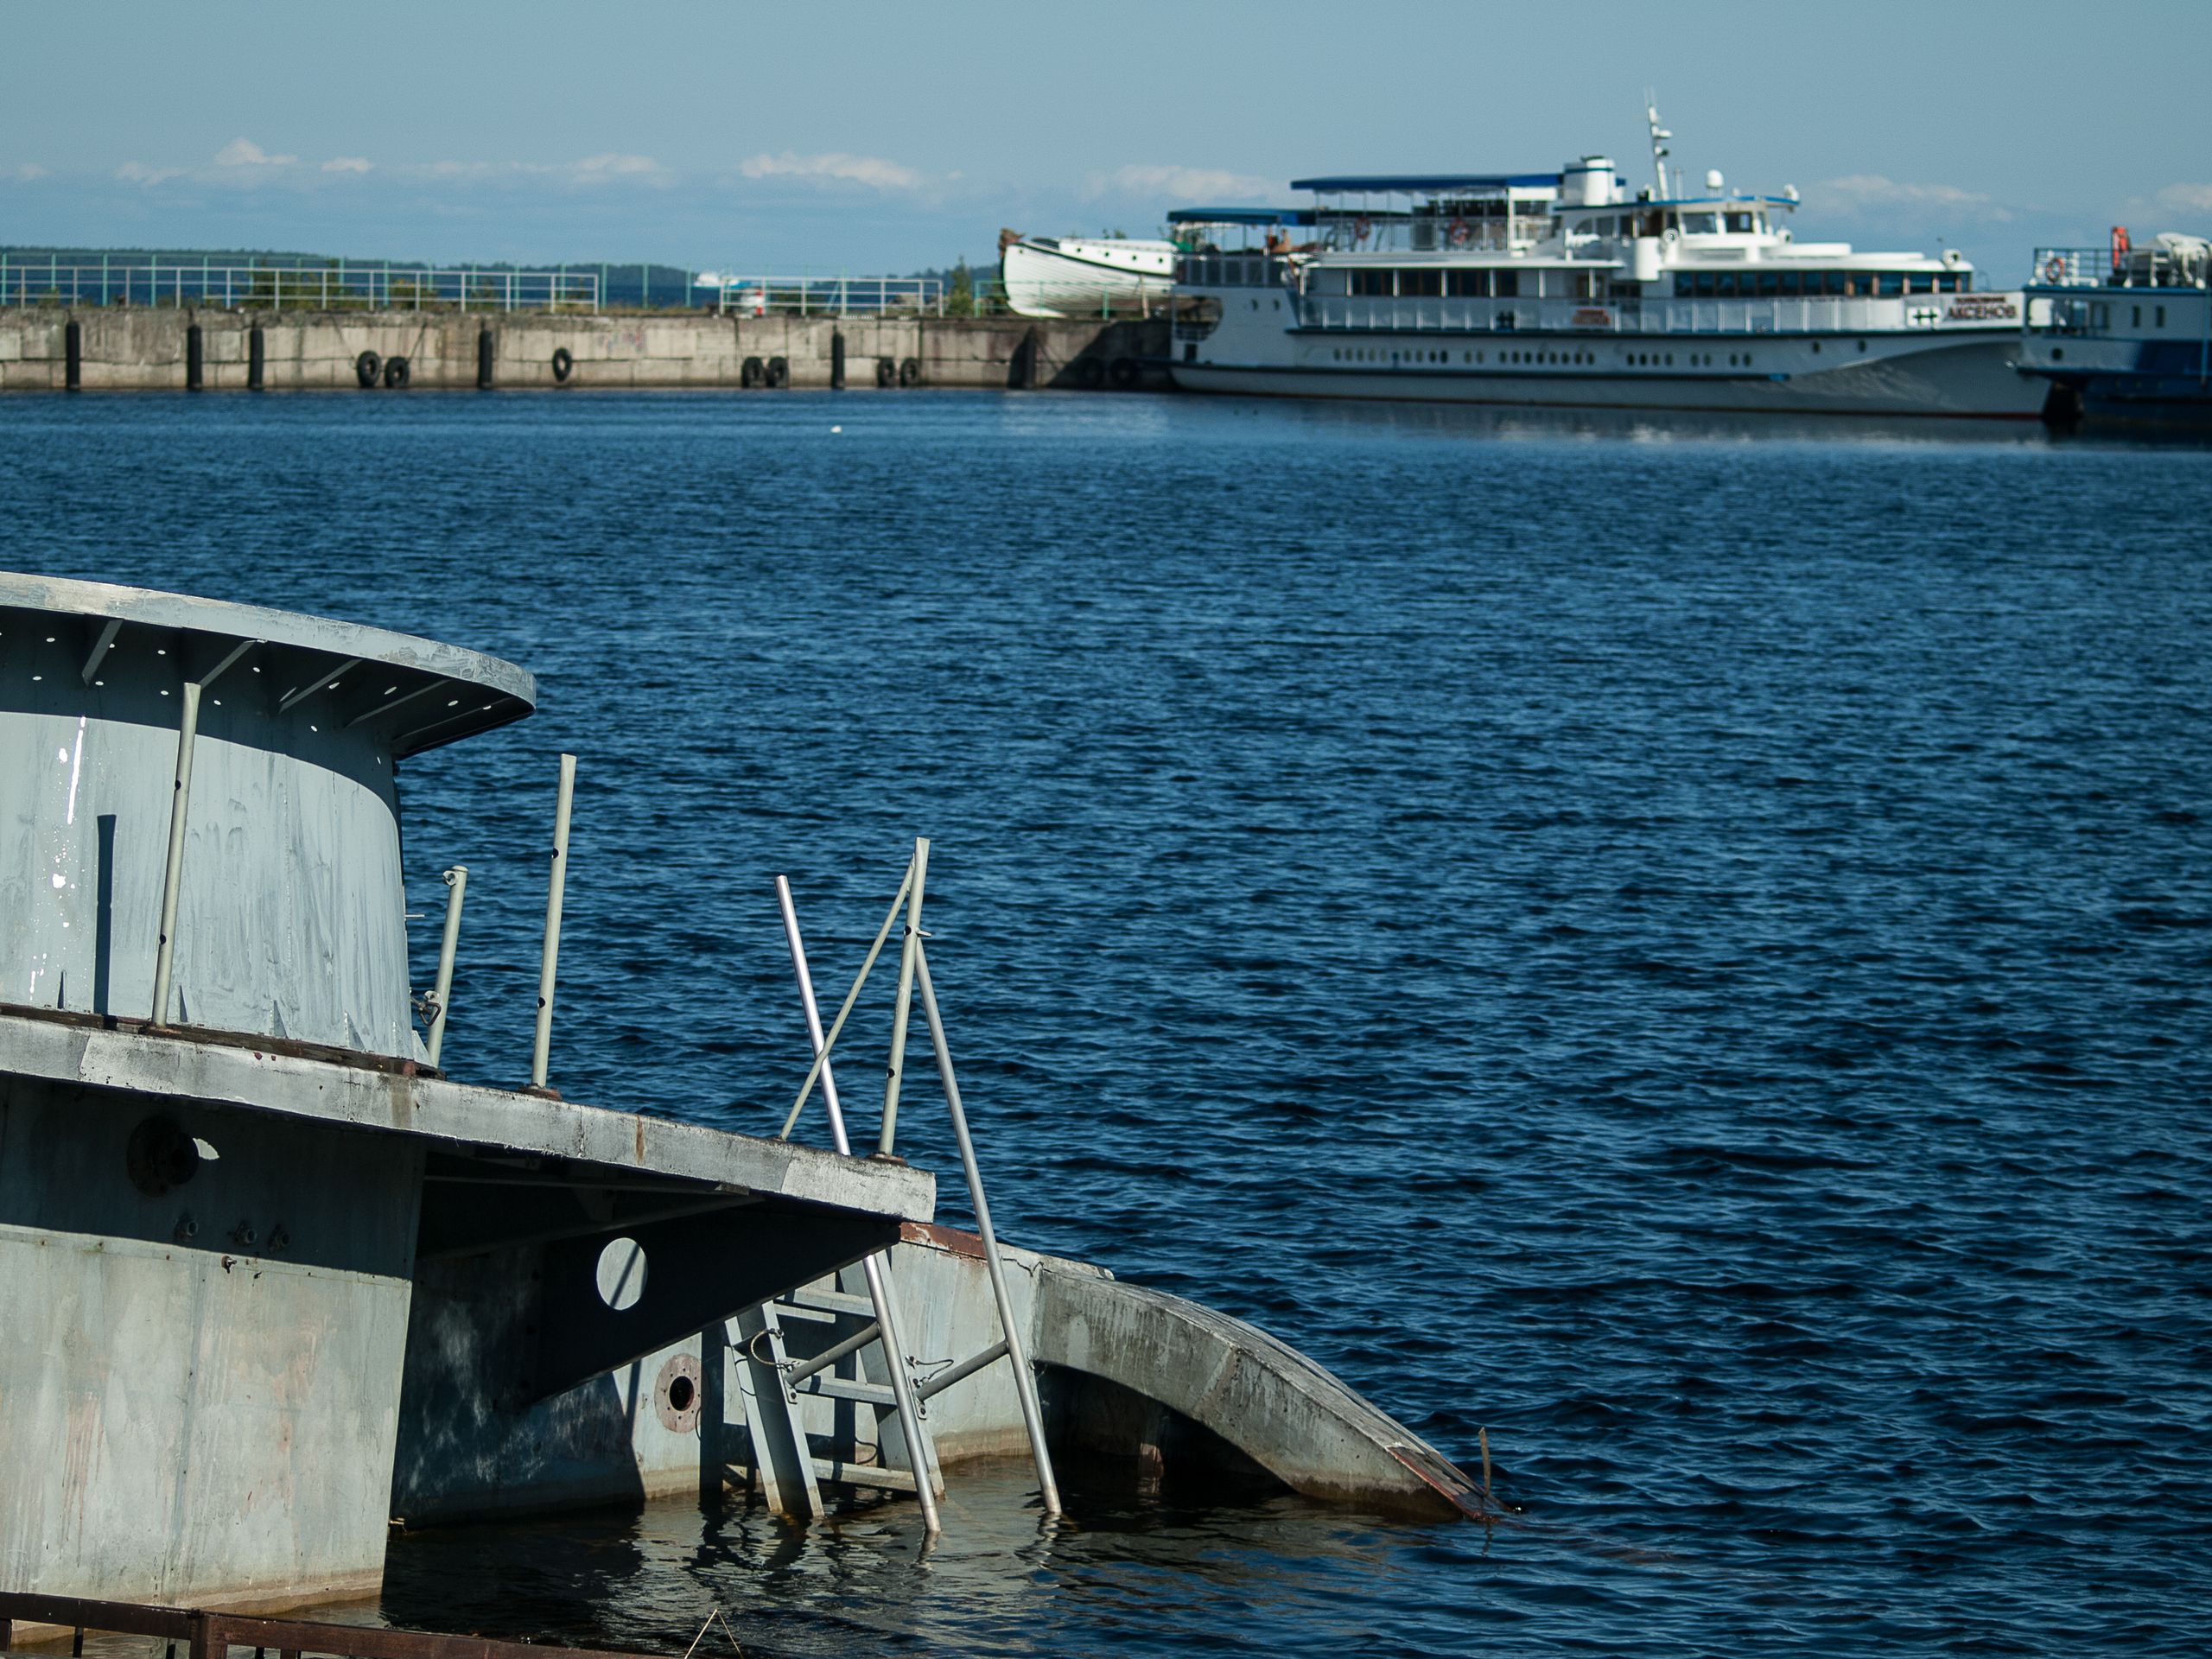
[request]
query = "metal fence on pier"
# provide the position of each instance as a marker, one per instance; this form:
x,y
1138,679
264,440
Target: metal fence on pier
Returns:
x,y
336,287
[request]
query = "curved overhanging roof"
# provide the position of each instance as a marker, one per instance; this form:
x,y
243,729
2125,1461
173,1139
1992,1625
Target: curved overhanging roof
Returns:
x,y
415,693
1424,183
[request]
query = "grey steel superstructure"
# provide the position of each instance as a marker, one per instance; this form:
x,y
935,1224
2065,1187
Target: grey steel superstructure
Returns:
x,y
268,1279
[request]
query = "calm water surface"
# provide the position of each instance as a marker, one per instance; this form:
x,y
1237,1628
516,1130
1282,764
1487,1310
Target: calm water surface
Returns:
x,y
1689,948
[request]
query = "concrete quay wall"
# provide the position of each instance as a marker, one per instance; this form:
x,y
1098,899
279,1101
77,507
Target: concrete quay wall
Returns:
x,y
138,350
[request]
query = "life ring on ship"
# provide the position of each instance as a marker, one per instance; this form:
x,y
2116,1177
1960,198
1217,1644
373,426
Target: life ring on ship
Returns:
x,y
1362,228
2054,269
368,369
1460,233
395,373
564,363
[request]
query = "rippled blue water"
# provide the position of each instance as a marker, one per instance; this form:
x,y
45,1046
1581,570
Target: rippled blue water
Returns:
x,y
1687,946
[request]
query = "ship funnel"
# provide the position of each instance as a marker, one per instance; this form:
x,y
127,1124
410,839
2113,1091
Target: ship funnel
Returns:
x,y
1587,181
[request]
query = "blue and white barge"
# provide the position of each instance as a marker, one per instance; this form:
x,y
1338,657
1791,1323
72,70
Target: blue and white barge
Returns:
x,y
1564,290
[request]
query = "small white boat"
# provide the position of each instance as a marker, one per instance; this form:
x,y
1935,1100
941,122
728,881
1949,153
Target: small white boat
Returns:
x,y
1066,276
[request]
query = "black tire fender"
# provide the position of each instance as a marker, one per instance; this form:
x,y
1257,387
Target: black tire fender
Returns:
x,y
886,373
1088,372
910,371
753,373
368,369
395,373
564,365
780,373
1124,372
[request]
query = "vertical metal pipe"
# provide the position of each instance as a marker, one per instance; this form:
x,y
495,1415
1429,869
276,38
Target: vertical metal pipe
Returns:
x,y
555,882
1024,1385
878,1292
441,992
904,1006
188,733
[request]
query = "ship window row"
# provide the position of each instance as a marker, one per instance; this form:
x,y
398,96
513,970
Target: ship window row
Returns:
x,y
1432,283
1230,270
1383,355
1817,284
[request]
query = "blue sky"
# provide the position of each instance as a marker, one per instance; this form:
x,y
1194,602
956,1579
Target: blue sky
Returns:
x,y
871,137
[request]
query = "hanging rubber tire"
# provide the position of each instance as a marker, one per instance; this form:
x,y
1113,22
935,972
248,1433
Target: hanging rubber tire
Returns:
x,y
910,371
395,373
780,373
1088,372
368,369
1125,374
564,365
886,373
753,373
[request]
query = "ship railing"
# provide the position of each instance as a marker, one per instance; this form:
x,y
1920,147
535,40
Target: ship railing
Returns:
x,y
1660,319
731,295
50,280
2072,268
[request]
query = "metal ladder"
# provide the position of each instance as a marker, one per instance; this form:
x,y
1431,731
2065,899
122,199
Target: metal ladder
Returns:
x,y
772,1382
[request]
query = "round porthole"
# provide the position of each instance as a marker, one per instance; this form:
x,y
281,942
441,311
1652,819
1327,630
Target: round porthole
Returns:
x,y
677,1394
622,1274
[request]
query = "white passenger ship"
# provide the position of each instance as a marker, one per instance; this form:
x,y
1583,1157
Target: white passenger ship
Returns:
x,y
1558,289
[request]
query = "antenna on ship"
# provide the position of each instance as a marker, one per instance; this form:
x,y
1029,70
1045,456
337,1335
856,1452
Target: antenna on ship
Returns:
x,y
1659,137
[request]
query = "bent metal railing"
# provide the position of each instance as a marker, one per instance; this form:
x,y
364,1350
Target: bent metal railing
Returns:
x,y
208,1635
28,281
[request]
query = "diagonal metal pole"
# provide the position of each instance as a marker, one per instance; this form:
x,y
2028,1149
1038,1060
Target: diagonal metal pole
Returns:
x,y
852,996
1025,1383
879,1288
907,954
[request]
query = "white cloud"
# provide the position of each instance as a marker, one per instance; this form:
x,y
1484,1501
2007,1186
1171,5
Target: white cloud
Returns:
x,y
23,171
244,152
2186,198
139,172
1182,186
1863,191
834,168
347,164
608,168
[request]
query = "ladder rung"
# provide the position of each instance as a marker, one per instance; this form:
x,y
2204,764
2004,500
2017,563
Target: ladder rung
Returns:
x,y
863,1474
845,1387
805,1315
828,1301
870,1332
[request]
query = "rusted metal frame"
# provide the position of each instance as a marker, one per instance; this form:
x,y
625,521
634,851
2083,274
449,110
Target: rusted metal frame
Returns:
x,y
920,1446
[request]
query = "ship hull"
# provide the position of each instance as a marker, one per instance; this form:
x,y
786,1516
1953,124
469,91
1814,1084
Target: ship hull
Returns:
x,y
1973,379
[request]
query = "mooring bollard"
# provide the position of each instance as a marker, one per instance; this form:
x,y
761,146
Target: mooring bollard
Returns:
x,y
555,882
456,879
173,868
